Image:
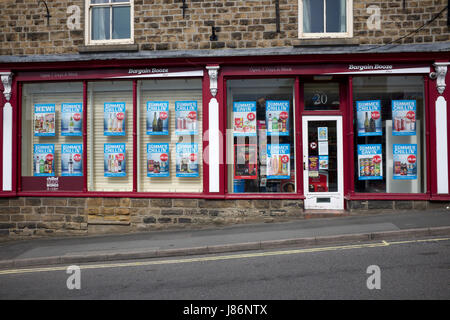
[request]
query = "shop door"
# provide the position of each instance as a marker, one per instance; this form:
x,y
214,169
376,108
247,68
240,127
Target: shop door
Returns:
x,y
323,162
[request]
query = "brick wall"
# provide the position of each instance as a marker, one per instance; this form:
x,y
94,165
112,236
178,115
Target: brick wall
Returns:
x,y
159,24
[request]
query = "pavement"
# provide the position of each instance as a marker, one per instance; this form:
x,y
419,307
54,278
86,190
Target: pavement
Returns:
x,y
244,237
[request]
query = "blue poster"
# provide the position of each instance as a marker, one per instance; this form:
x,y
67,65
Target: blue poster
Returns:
x,y
71,159
158,160
277,117
403,117
370,162
44,120
368,114
157,117
71,119
114,118
186,114
43,160
187,160
278,161
405,161
244,118
115,159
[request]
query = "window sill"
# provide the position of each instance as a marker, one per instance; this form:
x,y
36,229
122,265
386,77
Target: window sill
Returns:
x,y
108,48
326,42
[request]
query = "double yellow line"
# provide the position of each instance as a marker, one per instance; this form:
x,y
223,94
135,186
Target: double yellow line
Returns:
x,y
221,257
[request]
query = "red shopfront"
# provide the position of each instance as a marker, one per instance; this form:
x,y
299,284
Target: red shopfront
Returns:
x,y
322,133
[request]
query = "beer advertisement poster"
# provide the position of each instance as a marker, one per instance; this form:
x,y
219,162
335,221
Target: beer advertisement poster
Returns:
x,y
368,115
370,162
71,156
115,159
43,160
405,161
403,117
278,161
245,161
277,117
71,119
158,160
244,118
114,118
187,160
186,115
44,119
158,118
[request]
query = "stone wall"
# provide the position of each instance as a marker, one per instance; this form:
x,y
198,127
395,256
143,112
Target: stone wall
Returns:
x,y
33,216
159,24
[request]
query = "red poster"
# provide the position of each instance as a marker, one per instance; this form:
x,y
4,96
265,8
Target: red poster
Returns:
x,y
245,161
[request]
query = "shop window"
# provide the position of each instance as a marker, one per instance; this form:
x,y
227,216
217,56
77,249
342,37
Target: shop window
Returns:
x,y
110,136
261,136
109,21
325,18
321,96
389,134
170,135
52,143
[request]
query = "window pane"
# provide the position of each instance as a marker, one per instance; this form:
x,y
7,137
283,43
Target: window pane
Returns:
x,y
260,136
121,23
52,143
336,16
313,16
162,139
100,24
99,1
110,132
389,134
321,96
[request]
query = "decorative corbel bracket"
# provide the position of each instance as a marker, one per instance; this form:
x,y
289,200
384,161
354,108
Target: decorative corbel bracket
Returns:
x,y
441,72
7,82
213,72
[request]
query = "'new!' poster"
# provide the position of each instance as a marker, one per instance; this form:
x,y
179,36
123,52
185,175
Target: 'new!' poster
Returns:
x,y
403,117
115,159
44,120
405,161
369,118
71,164
187,160
277,117
43,160
244,116
157,117
370,162
278,161
71,119
114,118
158,160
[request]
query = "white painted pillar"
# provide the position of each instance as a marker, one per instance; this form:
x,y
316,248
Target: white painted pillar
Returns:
x,y
214,132
7,132
441,130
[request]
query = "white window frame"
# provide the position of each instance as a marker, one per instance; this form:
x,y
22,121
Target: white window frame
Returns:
x,y
320,35
88,25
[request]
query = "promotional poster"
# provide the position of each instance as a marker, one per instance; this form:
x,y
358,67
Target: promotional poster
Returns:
x,y
115,159
71,119
157,117
278,161
43,160
187,160
368,115
244,118
71,156
186,117
405,161
158,160
322,133
323,162
370,162
403,117
114,118
313,166
44,120
277,118
245,161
